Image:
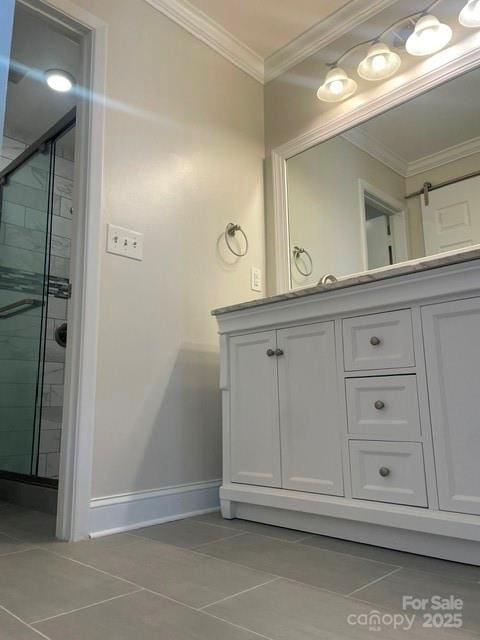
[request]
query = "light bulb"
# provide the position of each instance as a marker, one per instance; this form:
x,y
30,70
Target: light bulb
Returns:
x,y
379,63
430,35
470,14
337,86
59,80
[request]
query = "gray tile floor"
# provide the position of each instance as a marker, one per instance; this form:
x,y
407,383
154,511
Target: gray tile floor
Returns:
x,y
210,579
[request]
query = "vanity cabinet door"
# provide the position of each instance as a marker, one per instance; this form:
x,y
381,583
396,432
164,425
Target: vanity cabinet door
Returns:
x,y
309,413
452,345
254,420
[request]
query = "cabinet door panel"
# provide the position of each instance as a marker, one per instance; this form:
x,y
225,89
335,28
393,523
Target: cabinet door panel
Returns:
x,y
254,419
452,345
309,412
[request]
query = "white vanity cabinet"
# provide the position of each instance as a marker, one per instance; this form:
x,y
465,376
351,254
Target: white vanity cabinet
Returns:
x,y
355,412
452,346
285,425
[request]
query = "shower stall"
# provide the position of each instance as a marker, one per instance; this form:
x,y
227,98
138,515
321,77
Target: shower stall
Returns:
x,y
35,231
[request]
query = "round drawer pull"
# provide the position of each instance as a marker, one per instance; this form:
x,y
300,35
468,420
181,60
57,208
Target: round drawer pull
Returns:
x,y
384,472
279,352
379,404
374,341
270,353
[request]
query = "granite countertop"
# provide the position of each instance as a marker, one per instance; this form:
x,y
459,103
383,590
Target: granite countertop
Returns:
x,y
423,264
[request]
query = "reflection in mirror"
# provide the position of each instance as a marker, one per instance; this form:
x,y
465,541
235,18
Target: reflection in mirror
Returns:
x,y
402,186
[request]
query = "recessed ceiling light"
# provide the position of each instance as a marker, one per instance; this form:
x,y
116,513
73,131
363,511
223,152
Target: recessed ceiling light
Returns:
x,y
59,80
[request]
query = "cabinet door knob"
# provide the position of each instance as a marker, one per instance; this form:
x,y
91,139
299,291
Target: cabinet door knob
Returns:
x,y
270,353
379,404
384,472
279,352
374,341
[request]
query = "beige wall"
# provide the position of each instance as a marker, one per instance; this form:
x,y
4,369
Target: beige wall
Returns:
x,y
324,204
178,176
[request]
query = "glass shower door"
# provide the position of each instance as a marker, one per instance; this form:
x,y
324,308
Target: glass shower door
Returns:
x,y
24,253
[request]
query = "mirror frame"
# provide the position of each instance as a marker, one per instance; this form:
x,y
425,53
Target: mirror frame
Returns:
x,y
434,71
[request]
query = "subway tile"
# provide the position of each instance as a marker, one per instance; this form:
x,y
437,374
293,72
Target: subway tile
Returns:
x,y
24,238
56,395
59,267
13,214
30,175
57,308
50,441
36,220
53,373
17,395
16,417
24,326
18,371
63,187
56,205
54,352
15,258
66,208
64,168
60,247
11,148
51,416
42,465
61,227
16,464
13,348
53,465
26,196
16,443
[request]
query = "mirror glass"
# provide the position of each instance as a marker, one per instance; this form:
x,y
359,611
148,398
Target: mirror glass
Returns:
x,y
354,201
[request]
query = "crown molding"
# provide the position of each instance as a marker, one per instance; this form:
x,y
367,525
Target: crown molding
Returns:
x,y
322,34
377,150
457,152
211,33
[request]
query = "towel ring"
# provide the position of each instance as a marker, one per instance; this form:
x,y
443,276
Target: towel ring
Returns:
x,y
297,252
230,232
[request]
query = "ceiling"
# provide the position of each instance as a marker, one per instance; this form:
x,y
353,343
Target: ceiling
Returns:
x,y
443,118
266,26
37,45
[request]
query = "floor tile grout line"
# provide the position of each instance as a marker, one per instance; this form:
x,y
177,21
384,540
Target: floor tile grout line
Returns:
x,y
240,593
254,533
234,535
237,626
26,624
87,606
365,586
16,553
348,555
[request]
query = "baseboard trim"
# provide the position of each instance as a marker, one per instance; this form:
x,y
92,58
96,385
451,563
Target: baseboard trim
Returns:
x,y
125,512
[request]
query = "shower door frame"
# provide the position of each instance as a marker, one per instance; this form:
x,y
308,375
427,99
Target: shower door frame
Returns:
x,y
76,455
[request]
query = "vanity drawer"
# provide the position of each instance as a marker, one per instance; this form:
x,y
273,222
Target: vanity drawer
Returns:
x,y
385,406
388,472
380,341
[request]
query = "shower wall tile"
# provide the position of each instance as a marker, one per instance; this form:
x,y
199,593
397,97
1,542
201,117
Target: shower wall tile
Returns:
x,y
16,418
50,441
61,227
60,247
17,395
35,219
11,148
57,308
59,267
54,352
27,196
18,349
23,259
64,168
13,214
66,208
53,465
20,326
17,371
18,464
24,238
52,417
54,373
63,187
14,443
32,176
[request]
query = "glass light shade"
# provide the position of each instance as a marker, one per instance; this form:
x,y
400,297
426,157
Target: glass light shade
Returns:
x,y
470,15
59,80
379,63
337,86
430,35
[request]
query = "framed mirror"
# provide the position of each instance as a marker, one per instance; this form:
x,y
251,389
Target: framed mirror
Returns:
x,y
402,186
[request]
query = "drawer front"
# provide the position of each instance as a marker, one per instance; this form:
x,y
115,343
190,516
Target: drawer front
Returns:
x,y
380,341
388,472
385,407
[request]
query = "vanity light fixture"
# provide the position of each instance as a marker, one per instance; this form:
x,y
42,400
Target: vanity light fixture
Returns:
x,y
429,36
380,63
337,86
470,15
59,80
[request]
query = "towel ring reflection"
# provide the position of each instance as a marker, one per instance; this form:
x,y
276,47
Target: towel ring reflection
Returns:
x,y
230,232
297,252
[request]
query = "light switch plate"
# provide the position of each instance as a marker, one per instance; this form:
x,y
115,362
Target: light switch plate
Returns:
x,y
124,242
256,279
